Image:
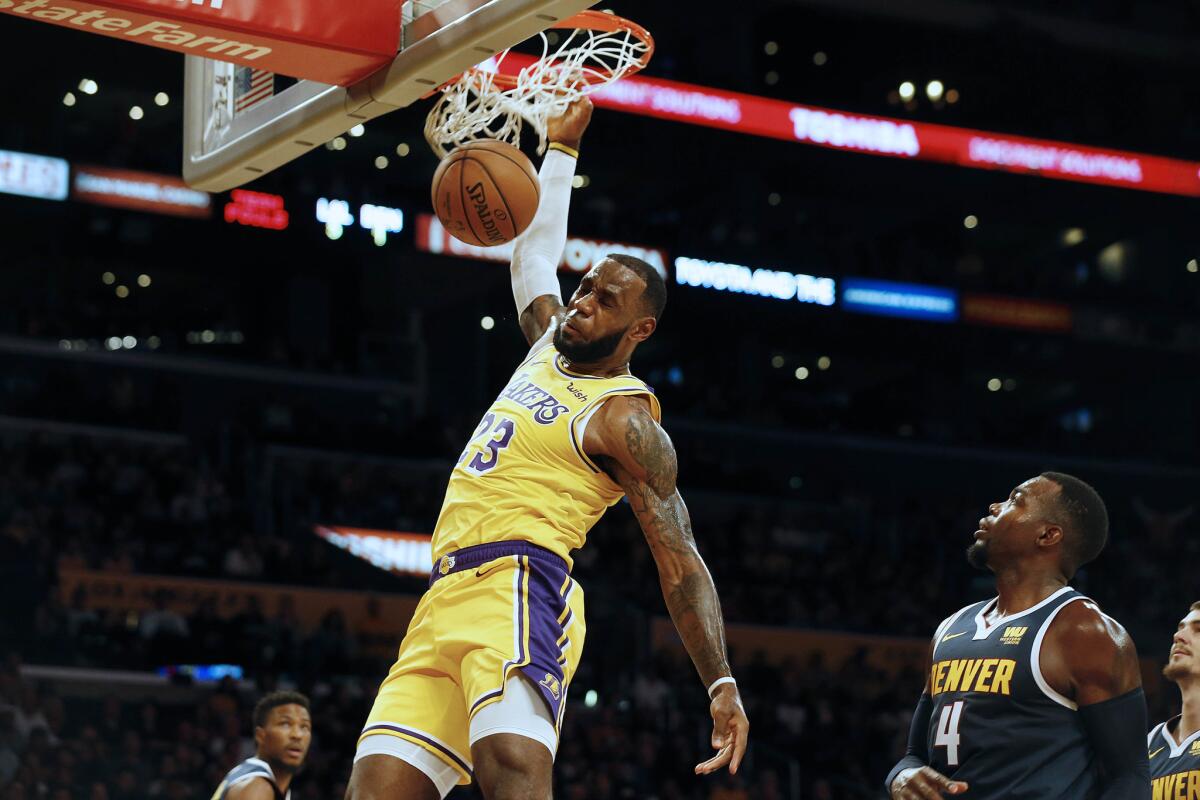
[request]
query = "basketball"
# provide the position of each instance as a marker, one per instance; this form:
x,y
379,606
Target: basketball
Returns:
x,y
485,193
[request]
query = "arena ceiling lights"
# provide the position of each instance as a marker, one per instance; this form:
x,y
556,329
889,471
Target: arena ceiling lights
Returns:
x,y
883,136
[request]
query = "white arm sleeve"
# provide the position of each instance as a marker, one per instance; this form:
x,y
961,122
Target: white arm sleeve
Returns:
x,y
539,250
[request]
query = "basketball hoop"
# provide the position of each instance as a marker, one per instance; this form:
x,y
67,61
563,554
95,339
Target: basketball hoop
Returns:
x,y
597,49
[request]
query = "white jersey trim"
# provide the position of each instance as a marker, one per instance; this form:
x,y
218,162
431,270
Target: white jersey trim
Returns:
x,y
983,630
1035,657
1177,749
404,728
249,776
1153,732
443,776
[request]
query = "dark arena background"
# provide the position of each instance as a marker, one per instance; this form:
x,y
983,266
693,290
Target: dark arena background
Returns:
x,y
916,253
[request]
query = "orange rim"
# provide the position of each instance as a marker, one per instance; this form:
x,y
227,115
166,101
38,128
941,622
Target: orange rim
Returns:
x,y
585,20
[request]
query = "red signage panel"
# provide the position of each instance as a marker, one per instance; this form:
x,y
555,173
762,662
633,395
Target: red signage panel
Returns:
x,y
141,191
1013,312
884,136
256,209
394,551
578,255
314,40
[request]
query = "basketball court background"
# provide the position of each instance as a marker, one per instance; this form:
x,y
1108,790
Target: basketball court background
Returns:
x,y
914,257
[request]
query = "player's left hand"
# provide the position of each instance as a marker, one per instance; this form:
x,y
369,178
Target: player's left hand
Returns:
x,y
731,731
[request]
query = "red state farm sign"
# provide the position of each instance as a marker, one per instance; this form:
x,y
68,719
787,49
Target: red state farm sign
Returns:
x,y
315,40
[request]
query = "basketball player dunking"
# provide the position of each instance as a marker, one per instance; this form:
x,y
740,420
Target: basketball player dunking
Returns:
x,y
1174,746
1035,694
282,733
481,681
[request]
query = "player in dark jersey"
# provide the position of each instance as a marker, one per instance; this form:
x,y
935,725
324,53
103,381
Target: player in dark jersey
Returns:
x,y
1174,746
283,732
1035,694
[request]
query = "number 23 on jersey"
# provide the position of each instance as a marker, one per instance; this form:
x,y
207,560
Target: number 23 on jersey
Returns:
x,y
493,435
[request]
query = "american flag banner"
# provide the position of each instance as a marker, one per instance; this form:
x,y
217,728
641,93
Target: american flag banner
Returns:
x,y
250,87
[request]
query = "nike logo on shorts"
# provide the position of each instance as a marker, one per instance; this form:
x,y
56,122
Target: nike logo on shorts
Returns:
x,y
480,573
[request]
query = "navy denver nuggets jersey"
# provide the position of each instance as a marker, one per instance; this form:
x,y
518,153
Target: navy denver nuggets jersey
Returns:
x,y
248,770
1174,768
996,723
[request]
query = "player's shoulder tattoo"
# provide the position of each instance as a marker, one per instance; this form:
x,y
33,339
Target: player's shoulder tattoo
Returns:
x,y
650,447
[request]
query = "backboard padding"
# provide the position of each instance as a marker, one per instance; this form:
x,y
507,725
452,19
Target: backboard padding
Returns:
x,y
440,44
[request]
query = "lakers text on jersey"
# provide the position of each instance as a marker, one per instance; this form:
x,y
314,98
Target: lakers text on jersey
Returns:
x,y
524,475
523,494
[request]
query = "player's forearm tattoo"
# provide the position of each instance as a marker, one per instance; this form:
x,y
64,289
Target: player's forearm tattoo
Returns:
x,y
536,319
688,588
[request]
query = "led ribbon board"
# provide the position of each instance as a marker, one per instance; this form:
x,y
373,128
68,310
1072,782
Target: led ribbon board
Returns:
x,y
884,136
908,300
402,553
140,191
1016,312
578,255
33,176
762,282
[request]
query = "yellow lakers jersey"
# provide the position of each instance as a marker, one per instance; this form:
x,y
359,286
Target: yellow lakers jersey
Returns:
x,y
524,474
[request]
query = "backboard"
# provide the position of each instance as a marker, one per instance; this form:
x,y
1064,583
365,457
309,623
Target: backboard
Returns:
x,y
236,131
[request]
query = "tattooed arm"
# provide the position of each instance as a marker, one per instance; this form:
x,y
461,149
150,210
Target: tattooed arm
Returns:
x,y
638,454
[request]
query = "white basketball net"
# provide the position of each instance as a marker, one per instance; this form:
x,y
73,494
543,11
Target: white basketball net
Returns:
x,y
474,107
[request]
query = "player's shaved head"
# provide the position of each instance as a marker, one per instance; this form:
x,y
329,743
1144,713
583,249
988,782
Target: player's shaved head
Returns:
x,y
1084,518
654,296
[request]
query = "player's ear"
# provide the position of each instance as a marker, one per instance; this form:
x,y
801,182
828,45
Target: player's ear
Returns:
x,y
260,735
642,329
1051,535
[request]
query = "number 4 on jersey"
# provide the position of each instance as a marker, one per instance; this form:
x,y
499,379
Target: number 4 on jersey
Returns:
x,y
947,732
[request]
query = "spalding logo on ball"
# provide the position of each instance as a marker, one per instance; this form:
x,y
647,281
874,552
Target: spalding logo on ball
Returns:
x,y
485,193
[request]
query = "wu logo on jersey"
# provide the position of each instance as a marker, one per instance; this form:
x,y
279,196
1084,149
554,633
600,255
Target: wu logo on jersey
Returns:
x,y
1013,634
1195,751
